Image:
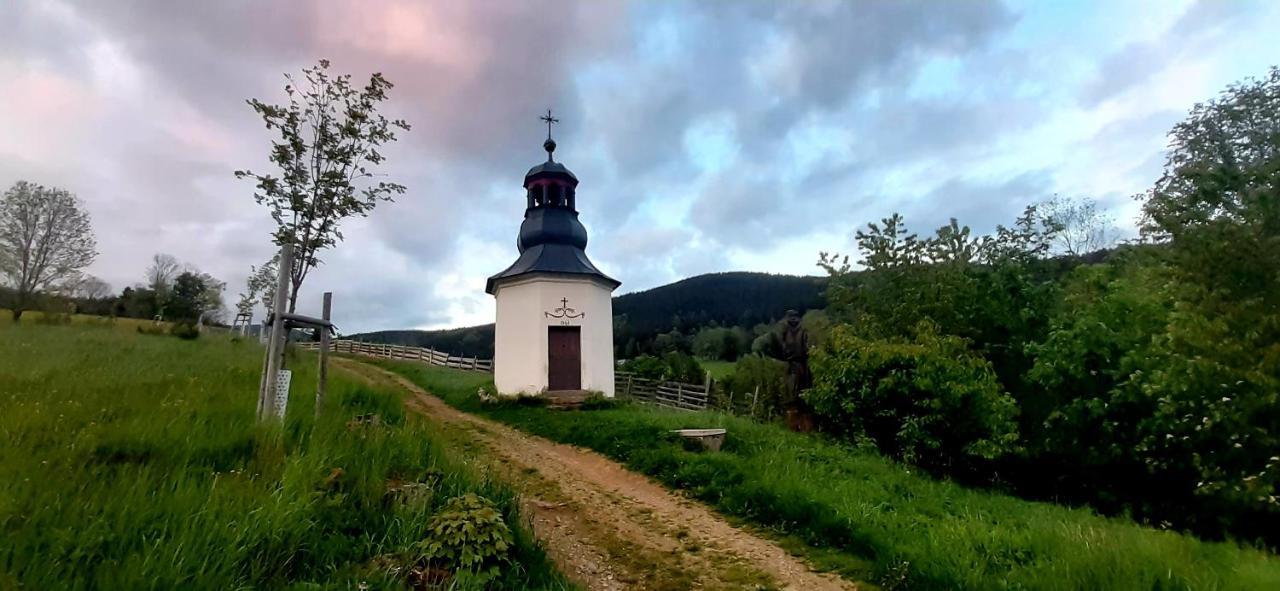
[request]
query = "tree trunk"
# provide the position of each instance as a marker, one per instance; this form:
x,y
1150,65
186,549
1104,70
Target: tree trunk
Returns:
x,y
293,295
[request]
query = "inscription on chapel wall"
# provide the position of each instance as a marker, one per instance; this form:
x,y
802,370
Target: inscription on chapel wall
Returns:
x,y
564,313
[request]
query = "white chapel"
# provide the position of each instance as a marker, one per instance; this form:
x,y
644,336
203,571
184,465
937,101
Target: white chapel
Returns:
x,y
554,326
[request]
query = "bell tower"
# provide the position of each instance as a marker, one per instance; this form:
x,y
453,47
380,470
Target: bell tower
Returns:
x,y
554,326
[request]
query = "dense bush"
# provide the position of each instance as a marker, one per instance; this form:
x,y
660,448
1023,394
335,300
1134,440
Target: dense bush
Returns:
x,y
926,400
673,367
645,366
682,367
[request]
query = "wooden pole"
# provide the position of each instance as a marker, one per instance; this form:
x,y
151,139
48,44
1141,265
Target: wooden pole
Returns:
x,y
323,379
275,348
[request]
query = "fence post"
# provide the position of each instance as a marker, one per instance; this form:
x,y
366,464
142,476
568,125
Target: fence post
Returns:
x,y
630,386
706,391
323,379
754,398
679,394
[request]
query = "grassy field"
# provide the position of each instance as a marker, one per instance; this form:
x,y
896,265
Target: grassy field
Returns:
x,y
719,370
131,461
876,520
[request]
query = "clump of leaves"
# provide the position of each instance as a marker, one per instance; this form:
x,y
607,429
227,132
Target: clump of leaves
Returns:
x,y
468,536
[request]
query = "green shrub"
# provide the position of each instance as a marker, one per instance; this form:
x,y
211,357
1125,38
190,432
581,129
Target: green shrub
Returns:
x,y
682,367
468,535
645,366
752,372
673,367
927,400
186,331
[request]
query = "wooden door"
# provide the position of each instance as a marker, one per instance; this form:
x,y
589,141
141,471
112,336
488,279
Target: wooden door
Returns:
x,y
564,358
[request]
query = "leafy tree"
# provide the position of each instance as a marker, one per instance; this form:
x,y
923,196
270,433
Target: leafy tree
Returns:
x,y
330,134
1215,371
45,240
194,294
136,302
993,291
260,288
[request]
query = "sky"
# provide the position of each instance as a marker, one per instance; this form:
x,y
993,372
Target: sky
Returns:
x,y
708,136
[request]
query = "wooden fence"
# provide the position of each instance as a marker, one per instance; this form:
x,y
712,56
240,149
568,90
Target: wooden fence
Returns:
x,y
385,351
669,394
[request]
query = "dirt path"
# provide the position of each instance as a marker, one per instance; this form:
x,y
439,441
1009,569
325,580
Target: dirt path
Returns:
x,y
609,528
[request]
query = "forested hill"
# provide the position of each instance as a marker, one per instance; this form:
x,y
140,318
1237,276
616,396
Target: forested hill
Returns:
x,y
727,299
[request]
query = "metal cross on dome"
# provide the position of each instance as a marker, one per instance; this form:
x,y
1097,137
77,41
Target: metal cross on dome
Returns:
x,y
550,121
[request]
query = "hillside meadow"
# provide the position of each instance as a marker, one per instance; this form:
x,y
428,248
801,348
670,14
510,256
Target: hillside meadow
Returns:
x,y
132,461
873,519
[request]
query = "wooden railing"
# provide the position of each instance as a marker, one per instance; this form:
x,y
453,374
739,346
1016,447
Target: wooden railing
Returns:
x,y
385,351
669,394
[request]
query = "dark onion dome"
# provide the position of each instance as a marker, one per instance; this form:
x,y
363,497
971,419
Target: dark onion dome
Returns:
x,y
552,240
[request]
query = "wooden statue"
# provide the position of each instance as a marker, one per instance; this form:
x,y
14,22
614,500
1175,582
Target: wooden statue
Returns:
x,y
792,346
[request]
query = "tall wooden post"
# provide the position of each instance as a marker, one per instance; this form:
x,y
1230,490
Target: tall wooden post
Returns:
x,y
323,379
275,348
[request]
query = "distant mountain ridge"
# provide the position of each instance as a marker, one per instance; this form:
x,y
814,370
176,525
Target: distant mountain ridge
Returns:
x,y
739,298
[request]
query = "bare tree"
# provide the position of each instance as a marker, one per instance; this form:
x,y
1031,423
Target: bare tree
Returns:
x,y
330,133
91,288
1083,227
162,272
45,240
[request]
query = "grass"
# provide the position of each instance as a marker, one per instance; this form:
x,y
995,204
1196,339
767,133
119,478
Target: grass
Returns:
x,y
873,519
131,461
719,370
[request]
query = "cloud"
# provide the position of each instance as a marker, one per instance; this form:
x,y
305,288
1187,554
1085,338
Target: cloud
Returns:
x,y
1201,24
705,133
